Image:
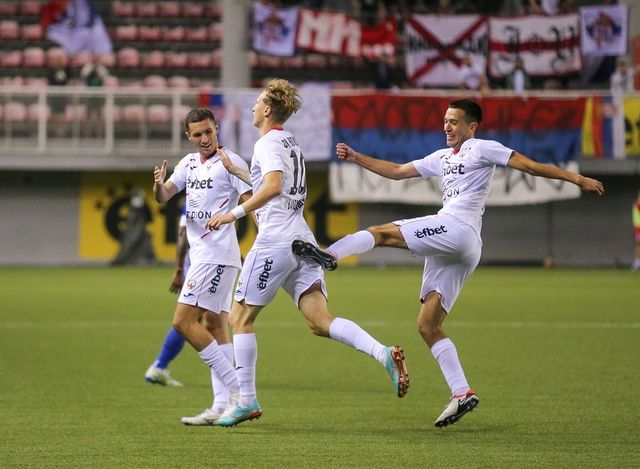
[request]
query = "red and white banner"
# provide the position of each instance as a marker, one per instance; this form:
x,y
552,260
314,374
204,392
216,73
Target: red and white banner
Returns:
x,y
379,39
549,45
604,30
328,33
274,29
435,46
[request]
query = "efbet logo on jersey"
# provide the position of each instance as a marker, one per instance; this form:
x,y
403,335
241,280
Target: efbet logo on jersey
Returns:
x,y
263,278
215,281
453,169
196,183
429,232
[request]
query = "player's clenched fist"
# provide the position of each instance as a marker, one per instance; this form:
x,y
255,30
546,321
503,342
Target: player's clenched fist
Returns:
x,y
345,152
160,173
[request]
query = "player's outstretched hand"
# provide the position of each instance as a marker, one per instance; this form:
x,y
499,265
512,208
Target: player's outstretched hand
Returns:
x,y
159,174
591,185
176,282
345,152
219,220
226,161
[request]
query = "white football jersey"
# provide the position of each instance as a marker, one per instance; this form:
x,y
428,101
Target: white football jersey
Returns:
x,y
466,176
211,191
280,220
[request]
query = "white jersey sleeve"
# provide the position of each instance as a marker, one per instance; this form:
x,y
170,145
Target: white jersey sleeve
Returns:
x,y
492,152
429,166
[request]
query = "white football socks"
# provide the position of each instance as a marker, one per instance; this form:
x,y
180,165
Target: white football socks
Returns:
x,y
356,243
246,351
349,333
213,356
220,390
446,355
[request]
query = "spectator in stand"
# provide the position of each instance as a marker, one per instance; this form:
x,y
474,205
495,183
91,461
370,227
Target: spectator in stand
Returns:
x,y
636,231
384,73
518,80
93,73
621,80
472,78
550,7
58,75
620,83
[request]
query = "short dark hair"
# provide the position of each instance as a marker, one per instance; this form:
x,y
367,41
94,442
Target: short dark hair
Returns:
x,y
472,110
198,115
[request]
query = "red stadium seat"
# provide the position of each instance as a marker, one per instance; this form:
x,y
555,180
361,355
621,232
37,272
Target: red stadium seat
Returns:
x,y
154,59
175,59
169,9
33,112
75,113
175,34
80,59
111,81
192,9
108,60
11,59
128,57
31,32
15,112
155,81
215,32
158,114
133,113
147,9
119,8
9,30
35,82
200,59
33,57
127,32
150,33
8,9
56,54
199,34
179,81
30,8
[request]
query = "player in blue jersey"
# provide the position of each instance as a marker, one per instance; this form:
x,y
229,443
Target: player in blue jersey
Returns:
x,y
449,241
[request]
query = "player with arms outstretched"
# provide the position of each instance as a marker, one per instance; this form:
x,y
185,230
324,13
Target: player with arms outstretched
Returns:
x,y
450,241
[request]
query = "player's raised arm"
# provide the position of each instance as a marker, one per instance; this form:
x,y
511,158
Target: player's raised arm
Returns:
x,y
240,173
162,191
522,163
383,168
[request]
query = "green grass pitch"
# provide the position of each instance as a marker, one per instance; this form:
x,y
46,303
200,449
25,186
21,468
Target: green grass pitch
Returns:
x,y
553,356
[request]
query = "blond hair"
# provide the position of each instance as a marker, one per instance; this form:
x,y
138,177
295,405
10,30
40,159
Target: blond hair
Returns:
x,y
283,98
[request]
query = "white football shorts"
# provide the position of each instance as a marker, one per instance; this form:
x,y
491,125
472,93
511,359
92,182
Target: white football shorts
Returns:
x,y
267,269
209,286
451,249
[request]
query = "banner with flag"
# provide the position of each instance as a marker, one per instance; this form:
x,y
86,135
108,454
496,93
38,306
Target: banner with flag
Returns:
x,y
80,28
435,46
548,45
328,33
274,29
604,29
405,128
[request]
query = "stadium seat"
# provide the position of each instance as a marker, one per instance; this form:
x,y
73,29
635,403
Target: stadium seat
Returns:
x,y
11,59
155,81
252,58
8,9
216,58
175,59
33,112
35,82
56,54
181,111
80,59
128,57
179,81
108,60
192,9
31,32
198,34
127,32
15,112
175,34
158,114
75,113
133,113
150,33
30,8
9,30
12,81
215,9
147,9
33,57
169,9
215,32
295,62
199,59
111,81
154,59
269,61
122,9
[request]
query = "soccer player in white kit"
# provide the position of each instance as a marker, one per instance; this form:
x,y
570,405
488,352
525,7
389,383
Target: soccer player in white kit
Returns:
x,y
279,185
450,241
214,255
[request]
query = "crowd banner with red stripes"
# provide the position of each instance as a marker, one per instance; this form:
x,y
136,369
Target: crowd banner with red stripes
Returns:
x,y
435,46
549,46
274,29
604,29
328,33
406,128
